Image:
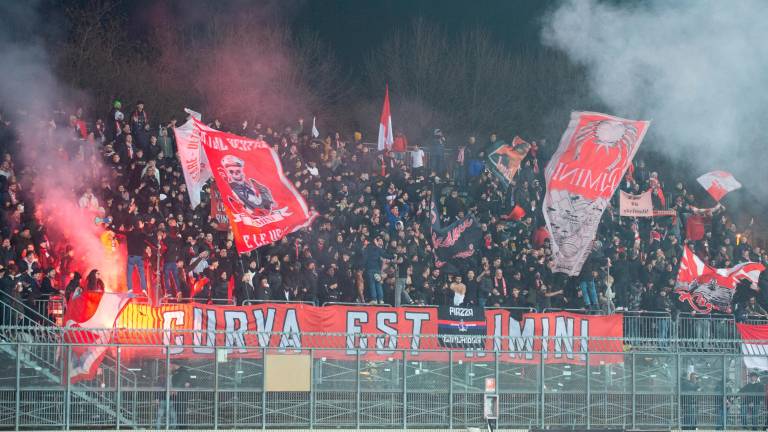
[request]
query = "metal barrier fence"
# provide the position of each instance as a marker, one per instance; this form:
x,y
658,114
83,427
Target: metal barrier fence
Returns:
x,y
618,383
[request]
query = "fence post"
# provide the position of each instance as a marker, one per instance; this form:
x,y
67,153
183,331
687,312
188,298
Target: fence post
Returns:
x,y
541,381
679,377
18,385
118,396
311,388
589,391
263,388
405,389
634,392
450,389
216,388
67,407
724,403
167,387
357,391
496,380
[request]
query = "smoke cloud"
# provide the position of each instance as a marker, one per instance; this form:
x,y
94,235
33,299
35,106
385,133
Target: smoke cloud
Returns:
x,y
697,68
29,95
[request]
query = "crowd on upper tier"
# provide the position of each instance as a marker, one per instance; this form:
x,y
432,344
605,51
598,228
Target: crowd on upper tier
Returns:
x,y
371,242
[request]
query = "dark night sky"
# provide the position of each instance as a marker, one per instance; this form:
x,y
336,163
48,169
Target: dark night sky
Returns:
x,y
353,27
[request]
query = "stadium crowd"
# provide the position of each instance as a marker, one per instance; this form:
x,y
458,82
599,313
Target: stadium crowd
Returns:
x,y
371,242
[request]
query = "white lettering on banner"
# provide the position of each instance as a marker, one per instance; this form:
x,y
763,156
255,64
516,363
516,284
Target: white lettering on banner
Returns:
x,y
214,142
171,319
545,333
235,333
564,336
354,319
461,312
635,205
246,144
582,177
382,319
198,329
417,318
264,327
291,331
521,340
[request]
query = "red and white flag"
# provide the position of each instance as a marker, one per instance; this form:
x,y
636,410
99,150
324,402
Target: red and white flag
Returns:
x,y
718,183
706,288
90,319
594,153
385,124
194,165
262,205
754,345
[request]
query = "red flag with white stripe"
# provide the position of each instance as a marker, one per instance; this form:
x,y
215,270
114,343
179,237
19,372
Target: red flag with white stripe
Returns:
x,y
706,288
754,345
385,124
718,183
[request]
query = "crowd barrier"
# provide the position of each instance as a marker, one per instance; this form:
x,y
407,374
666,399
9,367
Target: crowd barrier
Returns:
x,y
639,387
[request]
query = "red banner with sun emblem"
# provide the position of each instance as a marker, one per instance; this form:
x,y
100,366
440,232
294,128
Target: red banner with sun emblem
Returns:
x,y
262,205
594,153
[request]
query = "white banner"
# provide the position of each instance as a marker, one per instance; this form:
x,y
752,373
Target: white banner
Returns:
x,y
636,205
193,162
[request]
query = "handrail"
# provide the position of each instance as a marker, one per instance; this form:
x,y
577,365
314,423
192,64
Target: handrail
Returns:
x,y
7,301
357,304
257,302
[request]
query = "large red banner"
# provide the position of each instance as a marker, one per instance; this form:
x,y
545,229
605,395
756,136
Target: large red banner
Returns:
x,y
343,332
262,204
594,153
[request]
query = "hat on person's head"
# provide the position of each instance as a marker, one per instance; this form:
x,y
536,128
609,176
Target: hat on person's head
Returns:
x,y
437,132
117,104
229,161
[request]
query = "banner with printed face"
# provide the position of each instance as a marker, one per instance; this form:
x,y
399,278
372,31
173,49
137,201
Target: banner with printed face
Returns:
x,y
505,159
594,153
636,205
262,204
342,332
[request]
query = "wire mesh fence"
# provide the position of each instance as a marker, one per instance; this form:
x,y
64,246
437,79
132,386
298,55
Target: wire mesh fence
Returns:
x,y
632,382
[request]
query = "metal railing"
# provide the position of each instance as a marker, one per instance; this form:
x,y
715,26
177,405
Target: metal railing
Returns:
x,y
610,386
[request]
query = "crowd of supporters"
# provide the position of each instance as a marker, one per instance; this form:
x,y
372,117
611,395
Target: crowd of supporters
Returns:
x,y
371,242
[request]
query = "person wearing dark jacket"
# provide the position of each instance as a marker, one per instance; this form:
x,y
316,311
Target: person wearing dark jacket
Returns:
x,y
751,396
372,257
329,286
174,246
137,242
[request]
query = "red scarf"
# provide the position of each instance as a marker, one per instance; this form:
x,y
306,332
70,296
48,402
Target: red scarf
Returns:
x,y
503,285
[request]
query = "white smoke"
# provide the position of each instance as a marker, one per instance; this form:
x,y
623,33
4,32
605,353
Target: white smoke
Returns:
x,y
697,68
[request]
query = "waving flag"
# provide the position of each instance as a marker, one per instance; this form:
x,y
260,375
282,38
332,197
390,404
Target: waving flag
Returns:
x,y
262,205
705,288
385,124
718,183
594,153
95,313
754,345
454,245
315,132
505,159
193,162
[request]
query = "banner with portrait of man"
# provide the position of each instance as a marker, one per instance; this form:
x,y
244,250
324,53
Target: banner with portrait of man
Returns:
x,y
262,205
